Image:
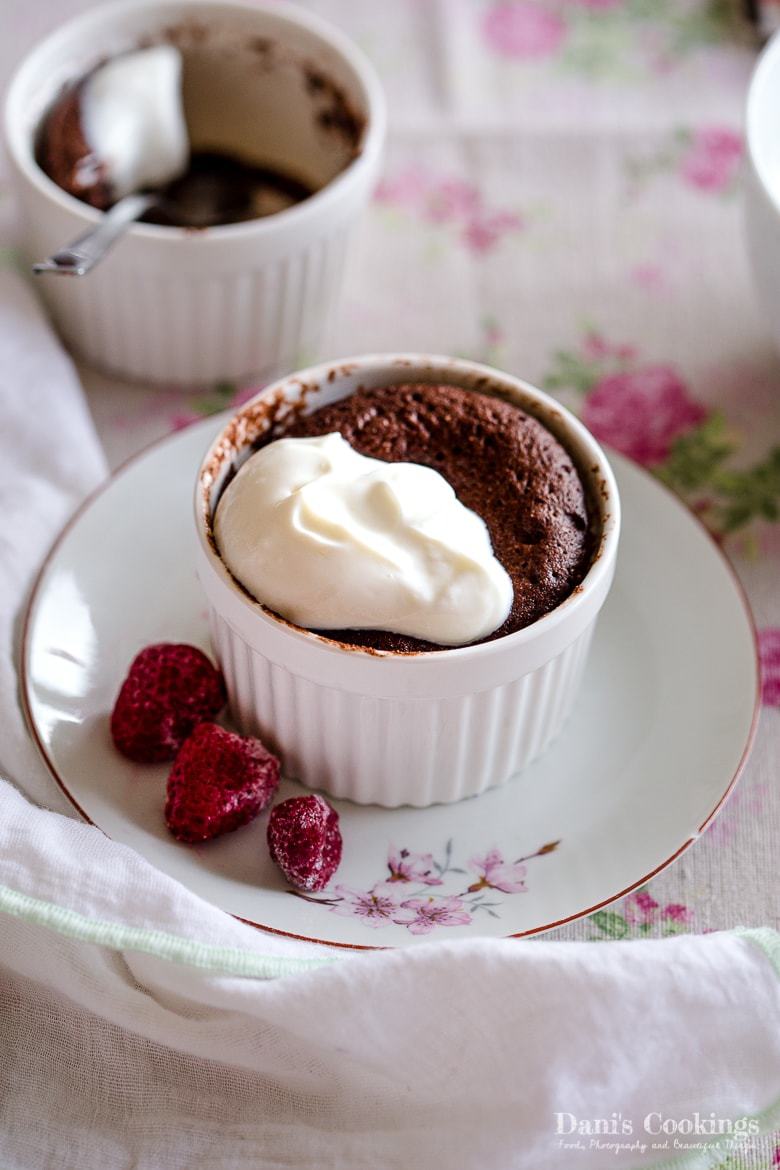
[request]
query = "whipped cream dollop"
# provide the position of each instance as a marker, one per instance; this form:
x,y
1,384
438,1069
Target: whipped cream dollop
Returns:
x,y
332,539
132,117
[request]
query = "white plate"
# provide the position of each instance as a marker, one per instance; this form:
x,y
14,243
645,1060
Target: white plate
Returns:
x,y
658,736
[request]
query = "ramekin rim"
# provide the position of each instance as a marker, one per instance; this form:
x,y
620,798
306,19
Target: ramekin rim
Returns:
x,y
164,236
603,557
766,61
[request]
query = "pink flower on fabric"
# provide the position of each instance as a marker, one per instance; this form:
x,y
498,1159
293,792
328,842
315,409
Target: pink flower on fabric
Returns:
x,y
640,908
677,912
484,231
769,651
452,199
412,867
596,5
377,907
523,30
244,393
596,346
421,915
712,160
641,412
449,201
496,874
181,420
493,333
648,276
406,189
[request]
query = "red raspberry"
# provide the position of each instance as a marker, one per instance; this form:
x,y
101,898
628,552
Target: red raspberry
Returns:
x,y
305,842
219,782
168,691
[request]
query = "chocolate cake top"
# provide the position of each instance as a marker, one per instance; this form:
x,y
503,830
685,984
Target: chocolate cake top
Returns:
x,y
502,463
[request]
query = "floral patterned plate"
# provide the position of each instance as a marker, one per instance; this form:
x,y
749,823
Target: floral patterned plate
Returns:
x,y
654,746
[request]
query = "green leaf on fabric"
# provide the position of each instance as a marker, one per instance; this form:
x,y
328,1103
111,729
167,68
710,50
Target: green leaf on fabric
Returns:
x,y
569,371
712,23
750,494
218,398
696,456
610,924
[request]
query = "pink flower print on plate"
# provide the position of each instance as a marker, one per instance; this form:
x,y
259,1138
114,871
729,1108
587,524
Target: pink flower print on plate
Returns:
x,y
421,915
712,159
641,412
412,867
523,30
376,907
769,651
496,874
404,898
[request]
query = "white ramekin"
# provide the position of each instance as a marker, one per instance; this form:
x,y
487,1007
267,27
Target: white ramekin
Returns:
x,y
194,307
390,728
761,198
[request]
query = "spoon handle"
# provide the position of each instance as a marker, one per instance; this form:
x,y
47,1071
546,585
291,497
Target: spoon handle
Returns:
x,y
82,255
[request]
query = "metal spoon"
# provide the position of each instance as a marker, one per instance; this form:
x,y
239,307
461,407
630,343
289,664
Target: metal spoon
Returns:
x,y
84,253
214,190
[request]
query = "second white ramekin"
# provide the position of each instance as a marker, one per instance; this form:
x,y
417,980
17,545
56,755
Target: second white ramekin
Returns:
x,y
761,188
195,307
389,728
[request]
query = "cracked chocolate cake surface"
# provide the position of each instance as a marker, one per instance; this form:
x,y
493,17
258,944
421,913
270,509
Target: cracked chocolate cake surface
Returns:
x,y
502,463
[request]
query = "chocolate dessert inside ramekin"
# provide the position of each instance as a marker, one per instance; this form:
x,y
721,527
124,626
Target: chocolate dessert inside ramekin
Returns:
x,y
502,464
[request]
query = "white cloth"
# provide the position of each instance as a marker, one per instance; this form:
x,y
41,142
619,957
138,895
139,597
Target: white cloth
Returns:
x,y
50,460
469,1055
141,1027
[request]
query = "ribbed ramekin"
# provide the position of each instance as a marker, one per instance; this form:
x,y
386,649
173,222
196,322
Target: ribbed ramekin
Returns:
x,y
194,307
761,187
390,728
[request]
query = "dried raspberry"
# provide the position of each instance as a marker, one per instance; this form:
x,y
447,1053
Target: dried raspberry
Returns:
x,y
219,782
170,688
305,842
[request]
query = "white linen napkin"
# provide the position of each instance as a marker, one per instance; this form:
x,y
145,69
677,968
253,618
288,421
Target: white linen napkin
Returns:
x,y
51,458
142,1027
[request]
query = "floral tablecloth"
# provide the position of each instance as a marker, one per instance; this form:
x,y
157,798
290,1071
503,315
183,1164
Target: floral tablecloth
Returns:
x,y
561,198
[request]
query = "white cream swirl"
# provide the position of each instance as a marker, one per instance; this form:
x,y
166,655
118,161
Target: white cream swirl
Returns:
x,y
332,539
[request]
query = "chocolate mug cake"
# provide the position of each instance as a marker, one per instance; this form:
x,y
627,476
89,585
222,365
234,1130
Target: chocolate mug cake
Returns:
x,y
356,709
